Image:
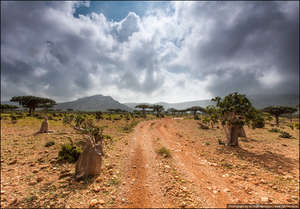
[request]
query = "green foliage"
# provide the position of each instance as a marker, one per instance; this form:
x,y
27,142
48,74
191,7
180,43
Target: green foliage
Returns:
x,y
284,134
99,115
279,110
235,109
297,125
164,152
69,153
157,109
49,144
258,120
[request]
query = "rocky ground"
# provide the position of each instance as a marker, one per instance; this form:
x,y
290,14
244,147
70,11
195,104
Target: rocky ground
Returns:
x,y
199,173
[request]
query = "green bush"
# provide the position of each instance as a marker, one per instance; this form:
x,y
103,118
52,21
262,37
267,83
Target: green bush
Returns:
x,y
274,130
164,151
129,127
49,144
297,125
285,135
69,153
258,123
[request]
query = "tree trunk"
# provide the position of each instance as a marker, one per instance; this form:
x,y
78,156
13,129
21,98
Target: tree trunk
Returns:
x,y
90,160
277,120
233,132
144,113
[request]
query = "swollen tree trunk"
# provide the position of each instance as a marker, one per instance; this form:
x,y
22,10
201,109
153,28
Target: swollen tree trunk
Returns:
x,y
233,132
90,160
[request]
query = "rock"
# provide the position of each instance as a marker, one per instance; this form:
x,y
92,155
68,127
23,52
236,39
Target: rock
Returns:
x,y
253,173
166,166
2,192
39,179
93,202
99,179
14,201
35,171
101,202
226,190
134,166
32,183
123,200
215,191
274,187
12,162
294,197
176,177
225,175
96,189
263,181
264,199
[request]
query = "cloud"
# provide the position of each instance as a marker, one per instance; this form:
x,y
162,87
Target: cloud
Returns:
x,y
186,51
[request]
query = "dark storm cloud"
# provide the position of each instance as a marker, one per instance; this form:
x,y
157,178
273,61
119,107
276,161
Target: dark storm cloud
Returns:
x,y
251,36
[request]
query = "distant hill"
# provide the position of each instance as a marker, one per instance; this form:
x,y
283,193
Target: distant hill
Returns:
x,y
259,101
93,103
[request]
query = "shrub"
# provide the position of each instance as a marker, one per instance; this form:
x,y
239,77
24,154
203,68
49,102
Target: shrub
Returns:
x,y
297,125
49,144
274,130
258,123
69,153
285,135
164,152
129,127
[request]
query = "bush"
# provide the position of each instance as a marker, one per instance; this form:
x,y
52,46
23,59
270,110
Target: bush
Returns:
x,y
297,125
129,127
274,130
285,135
164,152
259,123
69,153
49,144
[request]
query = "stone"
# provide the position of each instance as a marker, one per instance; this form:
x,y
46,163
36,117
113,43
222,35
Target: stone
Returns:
x,y
215,191
32,183
35,171
93,202
264,199
101,202
39,179
96,189
12,162
226,190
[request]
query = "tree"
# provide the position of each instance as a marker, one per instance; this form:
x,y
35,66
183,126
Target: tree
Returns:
x,y
235,111
143,107
194,110
213,114
8,107
158,109
276,111
99,115
32,102
90,160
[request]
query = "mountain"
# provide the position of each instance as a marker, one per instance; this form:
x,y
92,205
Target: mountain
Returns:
x,y
258,101
93,103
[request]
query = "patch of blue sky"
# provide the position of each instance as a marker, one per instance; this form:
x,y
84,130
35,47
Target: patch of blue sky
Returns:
x,y
117,10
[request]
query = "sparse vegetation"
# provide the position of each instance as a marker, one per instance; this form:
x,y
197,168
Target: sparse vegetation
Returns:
x,y
284,134
69,153
49,144
164,152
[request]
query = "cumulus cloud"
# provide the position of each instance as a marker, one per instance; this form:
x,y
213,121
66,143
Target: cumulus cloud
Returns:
x,y
189,51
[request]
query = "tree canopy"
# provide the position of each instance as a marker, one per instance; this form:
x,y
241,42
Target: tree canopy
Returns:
x,y
276,111
33,102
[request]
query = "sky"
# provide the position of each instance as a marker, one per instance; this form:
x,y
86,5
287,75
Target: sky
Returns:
x,y
149,51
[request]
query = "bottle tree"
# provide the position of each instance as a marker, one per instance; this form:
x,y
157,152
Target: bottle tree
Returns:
x,y
235,111
32,102
90,160
276,111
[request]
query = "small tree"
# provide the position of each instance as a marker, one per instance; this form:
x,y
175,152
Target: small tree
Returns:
x,y
143,107
90,160
32,102
235,111
276,111
213,114
194,110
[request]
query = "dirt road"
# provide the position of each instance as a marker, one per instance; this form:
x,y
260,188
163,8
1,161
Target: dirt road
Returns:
x,y
187,179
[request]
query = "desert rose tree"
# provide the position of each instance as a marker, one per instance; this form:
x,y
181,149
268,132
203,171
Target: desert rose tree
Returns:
x,y
235,111
157,109
194,110
276,111
32,102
